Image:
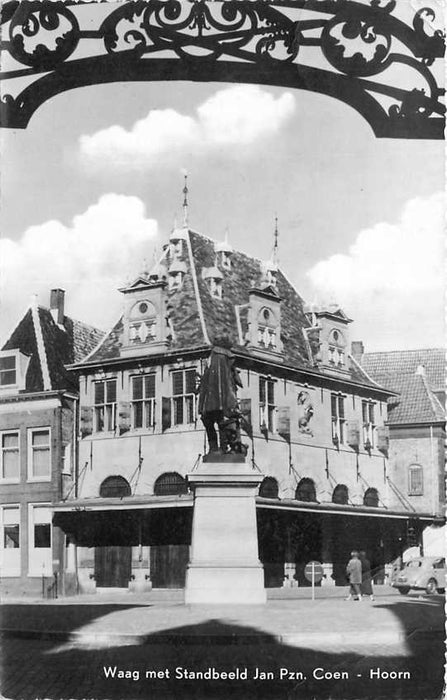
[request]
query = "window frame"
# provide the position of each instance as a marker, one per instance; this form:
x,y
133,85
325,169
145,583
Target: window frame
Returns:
x,y
30,432
338,418
4,356
13,568
412,491
368,422
3,479
40,559
267,408
187,400
111,417
148,403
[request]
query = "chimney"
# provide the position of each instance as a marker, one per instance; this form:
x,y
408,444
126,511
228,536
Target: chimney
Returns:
x,y
420,371
357,350
57,300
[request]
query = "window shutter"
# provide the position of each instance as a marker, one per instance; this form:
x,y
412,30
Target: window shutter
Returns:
x,y
283,418
353,433
383,439
86,421
247,424
124,417
165,412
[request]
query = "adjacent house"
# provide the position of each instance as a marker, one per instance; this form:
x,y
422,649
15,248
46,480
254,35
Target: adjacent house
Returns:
x,y
416,420
38,443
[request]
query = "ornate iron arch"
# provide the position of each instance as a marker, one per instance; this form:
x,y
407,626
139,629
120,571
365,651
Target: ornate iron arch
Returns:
x,y
333,47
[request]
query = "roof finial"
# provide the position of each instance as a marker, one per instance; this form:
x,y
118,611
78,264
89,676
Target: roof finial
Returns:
x,y
185,200
275,244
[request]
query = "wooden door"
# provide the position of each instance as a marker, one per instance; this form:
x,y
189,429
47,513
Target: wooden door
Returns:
x,y
168,565
113,566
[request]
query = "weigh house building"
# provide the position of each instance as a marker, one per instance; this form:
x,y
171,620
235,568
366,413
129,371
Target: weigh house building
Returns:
x,y
318,426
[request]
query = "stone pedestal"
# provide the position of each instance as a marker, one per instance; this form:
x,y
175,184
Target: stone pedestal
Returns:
x,y
224,565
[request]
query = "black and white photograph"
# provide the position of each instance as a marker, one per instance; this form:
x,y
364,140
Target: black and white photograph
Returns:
x,y
222,349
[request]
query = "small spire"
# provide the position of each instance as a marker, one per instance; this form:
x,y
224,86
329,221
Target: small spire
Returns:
x,y
185,201
227,231
275,244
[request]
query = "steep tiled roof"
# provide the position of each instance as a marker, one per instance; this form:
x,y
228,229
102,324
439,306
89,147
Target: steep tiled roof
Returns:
x,y
397,370
62,346
384,366
197,316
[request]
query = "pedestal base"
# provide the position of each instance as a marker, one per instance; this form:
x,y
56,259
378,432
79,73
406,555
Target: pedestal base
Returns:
x,y
224,565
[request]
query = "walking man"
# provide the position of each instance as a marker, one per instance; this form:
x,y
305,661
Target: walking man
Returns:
x,y
354,574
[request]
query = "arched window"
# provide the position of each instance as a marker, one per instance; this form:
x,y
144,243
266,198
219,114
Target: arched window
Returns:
x,y
340,494
170,484
114,487
269,488
371,498
305,491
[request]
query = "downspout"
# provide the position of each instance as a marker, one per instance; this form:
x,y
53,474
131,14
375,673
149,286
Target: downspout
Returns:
x,y
75,444
434,473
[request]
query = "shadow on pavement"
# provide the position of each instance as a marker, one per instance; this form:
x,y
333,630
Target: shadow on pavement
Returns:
x,y
55,618
37,669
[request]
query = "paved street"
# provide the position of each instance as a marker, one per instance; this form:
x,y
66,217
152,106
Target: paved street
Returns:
x,y
126,647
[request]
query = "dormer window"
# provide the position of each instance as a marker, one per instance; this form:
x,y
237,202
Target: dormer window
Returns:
x,y
337,343
225,259
142,325
215,287
176,280
13,366
223,254
177,249
213,281
176,274
267,326
8,370
177,238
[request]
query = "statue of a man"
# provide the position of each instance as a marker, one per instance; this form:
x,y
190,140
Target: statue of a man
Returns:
x,y
218,398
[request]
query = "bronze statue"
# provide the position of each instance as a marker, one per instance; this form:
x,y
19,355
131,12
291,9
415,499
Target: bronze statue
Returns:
x,y
218,401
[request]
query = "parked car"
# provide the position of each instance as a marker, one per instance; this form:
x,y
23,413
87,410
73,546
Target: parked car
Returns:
x,y
421,573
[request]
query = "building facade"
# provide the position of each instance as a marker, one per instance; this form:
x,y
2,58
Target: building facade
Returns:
x,y
416,419
38,441
317,432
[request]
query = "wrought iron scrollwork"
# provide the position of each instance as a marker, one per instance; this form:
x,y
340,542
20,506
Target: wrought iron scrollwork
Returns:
x,y
42,35
253,41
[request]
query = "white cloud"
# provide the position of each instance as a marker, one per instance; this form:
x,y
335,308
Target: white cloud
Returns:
x,y
90,259
235,116
391,281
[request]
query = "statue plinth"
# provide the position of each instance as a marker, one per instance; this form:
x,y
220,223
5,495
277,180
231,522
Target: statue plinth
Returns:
x,y
224,565
223,458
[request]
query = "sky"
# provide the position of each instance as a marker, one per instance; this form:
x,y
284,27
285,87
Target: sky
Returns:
x,y
92,188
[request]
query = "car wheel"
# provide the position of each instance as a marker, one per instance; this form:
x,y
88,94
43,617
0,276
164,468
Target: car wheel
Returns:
x,y
404,591
431,586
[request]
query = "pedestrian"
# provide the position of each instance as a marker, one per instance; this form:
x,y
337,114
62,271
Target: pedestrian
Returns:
x,y
366,587
354,574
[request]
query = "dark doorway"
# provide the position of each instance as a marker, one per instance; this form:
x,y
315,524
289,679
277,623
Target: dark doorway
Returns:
x,y
168,565
113,566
